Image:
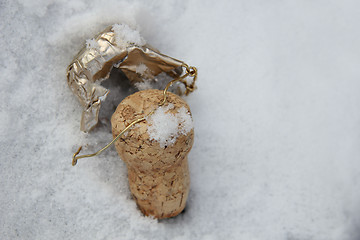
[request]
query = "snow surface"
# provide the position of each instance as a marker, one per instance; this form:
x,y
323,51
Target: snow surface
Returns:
x,y
165,127
125,35
276,114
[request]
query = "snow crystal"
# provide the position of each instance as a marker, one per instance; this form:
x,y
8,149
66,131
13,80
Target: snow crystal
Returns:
x,y
166,127
141,68
146,84
159,82
185,121
125,35
92,44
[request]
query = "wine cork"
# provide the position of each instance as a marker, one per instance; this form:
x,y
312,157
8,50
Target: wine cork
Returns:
x,y
155,150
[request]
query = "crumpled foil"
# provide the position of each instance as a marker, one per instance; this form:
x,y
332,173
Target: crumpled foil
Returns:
x,y
92,65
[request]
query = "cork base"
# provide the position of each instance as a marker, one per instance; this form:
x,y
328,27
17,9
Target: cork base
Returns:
x,y
161,194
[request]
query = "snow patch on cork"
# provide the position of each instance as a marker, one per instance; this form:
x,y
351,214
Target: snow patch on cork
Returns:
x,y
166,127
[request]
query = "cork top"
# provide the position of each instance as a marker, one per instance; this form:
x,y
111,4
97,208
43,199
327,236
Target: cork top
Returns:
x,y
162,139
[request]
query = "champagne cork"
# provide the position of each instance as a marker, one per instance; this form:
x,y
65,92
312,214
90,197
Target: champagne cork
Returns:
x,y
155,150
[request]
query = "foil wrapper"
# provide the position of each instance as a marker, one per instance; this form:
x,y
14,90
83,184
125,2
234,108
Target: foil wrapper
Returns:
x,y
94,62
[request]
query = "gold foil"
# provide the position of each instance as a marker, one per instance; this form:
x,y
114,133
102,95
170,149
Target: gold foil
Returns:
x,y
92,65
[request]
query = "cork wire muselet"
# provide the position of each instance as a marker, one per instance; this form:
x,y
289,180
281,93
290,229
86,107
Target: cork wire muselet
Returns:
x,y
190,72
152,129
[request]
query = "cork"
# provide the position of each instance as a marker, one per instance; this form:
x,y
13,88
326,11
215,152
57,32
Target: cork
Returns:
x,y
158,175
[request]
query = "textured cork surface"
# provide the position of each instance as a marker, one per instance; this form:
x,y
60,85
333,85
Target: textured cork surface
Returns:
x,y
158,177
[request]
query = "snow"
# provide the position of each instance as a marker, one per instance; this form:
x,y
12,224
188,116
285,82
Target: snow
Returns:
x,y
276,120
141,68
92,44
125,35
144,85
158,82
165,127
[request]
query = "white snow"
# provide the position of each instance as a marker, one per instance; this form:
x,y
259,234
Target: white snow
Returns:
x,y
141,68
276,120
160,81
147,84
125,35
92,44
165,127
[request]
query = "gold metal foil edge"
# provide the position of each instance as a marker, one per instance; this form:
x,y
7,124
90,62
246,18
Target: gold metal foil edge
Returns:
x,y
92,65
